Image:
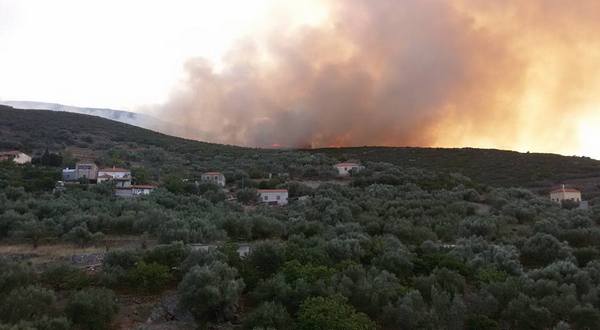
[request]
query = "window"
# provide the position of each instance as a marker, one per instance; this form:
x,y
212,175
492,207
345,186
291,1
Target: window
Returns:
x,y
266,198
278,197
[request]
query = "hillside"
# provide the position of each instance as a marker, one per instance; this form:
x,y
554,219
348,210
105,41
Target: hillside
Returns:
x,y
389,247
131,118
35,130
494,167
114,143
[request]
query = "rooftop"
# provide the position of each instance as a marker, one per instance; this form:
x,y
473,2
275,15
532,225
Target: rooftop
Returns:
x,y
346,164
144,186
114,169
10,153
271,190
564,189
212,173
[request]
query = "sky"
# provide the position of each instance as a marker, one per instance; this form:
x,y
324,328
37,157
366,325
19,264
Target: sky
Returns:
x,y
520,75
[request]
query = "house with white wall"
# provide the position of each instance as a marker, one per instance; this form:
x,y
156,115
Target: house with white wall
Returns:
x,y
16,156
346,169
135,190
273,196
563,194
213,177
106,174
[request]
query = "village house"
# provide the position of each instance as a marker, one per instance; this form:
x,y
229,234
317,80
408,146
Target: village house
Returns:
x,y
142,189
214,177
273,196
346,169
134,190
16,156
86,170
121,176
69,174
563,194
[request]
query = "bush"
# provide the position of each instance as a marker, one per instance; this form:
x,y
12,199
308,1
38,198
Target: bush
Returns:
x,y
92,308
65,277
27,303
247,196
150,277
269,315
211,293
331,313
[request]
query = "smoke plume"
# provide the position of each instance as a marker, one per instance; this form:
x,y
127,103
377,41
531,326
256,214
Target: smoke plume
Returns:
x,y
509,74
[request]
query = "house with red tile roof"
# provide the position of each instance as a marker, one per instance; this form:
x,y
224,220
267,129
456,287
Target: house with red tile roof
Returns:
x,y
16,156
213,177
563,193
346,169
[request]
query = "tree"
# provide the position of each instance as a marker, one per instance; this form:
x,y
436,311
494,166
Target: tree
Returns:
x,y
585,317
150,277
27,303
269,315
211,293
80,235
92,308
542,249
247,196
331,313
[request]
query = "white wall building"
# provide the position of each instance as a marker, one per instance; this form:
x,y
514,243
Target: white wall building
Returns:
x,y
273,196
565,194
114,173
134,190
16,156
142,189
214,177
345,169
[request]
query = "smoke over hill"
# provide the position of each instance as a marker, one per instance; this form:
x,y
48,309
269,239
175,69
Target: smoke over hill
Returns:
x,y
509,74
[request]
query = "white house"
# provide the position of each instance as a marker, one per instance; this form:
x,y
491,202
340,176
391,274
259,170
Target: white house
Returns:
x,y
134,190
142,189
16,156
273,196
565,194
345,169
114,173
214,177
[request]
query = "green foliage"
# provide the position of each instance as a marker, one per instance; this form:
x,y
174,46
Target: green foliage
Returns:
x,y
92,309
331,313
150,277
247,196
269,315
410,243
211,292
65,277
27,303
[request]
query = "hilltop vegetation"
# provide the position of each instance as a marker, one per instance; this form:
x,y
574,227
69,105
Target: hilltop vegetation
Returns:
x,y
494,167
394,247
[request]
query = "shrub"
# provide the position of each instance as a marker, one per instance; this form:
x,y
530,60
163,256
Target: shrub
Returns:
x,y
27,303
269,315
92,308
150,277
331,313
65,277
211,293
